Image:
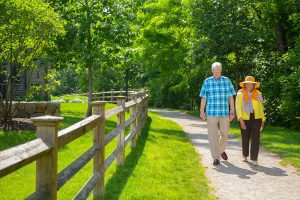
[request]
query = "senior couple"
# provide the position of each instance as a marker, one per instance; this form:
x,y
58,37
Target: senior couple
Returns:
x,y
218,108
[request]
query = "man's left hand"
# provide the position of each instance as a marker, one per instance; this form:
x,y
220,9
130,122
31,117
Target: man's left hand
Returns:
x,y
231,116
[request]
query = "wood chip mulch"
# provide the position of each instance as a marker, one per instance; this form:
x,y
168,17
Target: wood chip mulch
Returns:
x,y
20,124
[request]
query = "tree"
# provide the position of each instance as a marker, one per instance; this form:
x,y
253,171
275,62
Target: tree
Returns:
x,y
163,49
97,34
27,29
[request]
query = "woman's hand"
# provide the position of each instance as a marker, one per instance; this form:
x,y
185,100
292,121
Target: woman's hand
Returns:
x,y
262,126
242,123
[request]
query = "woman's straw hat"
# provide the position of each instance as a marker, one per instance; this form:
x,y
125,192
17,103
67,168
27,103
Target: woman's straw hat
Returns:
x,y
250,79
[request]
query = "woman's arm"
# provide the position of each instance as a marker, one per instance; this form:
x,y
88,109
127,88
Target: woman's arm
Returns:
x,y
238,105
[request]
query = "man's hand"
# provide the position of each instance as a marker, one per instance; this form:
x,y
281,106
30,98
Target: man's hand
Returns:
x,y
242,123
203,116
262,126
231,116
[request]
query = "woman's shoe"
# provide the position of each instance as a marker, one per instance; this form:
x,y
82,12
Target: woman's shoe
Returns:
x,y
244,159
254,162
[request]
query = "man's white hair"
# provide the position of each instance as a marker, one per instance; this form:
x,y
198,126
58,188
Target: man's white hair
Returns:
x,y
216,65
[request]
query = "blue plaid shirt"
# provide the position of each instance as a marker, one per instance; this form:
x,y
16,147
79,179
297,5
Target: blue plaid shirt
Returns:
x,y
217,93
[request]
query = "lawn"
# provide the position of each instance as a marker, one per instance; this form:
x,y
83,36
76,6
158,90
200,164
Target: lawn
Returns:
x,y
164,165
282,141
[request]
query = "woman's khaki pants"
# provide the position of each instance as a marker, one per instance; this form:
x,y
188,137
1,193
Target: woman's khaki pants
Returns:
x,y
217,135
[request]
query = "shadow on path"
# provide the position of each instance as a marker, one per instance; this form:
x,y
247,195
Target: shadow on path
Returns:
x,y
271,171
229,168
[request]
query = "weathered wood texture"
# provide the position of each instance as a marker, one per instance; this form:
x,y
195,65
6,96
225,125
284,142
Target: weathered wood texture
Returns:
x,y
111,158
99,140
111,135
75,166
46,166
73,132
88,187
44,149
19,156
121,137
114,111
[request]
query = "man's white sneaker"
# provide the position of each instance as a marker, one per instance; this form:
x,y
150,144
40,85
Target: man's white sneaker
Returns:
x,y
254,162
244,159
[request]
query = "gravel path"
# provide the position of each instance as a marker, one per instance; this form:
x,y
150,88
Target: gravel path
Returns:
x,y
234,179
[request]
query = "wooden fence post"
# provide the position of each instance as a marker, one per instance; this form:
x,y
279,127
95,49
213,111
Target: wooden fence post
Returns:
x,y
141,107
146,106
121,123
103,96
133,112
99,140
111,96
46,167
140,113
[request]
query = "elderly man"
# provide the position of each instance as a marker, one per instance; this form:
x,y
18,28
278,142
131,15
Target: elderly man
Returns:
x,y
217,96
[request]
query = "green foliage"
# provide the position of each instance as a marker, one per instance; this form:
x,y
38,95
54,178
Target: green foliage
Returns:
x,y
37,91
27,29
69,81
102,41
164,49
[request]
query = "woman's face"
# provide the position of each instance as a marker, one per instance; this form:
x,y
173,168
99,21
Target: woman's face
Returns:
x,y
249,86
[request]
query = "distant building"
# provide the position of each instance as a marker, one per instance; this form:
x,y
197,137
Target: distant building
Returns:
x,y
22,82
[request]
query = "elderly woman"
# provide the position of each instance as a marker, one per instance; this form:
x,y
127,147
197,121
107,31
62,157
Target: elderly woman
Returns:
x,y
250,113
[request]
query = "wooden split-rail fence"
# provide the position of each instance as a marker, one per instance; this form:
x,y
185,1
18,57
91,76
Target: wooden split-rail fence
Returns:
x,y
110,96
44,149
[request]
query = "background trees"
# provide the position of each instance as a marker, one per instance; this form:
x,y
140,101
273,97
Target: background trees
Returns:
x,y
166,46
27,30
179,40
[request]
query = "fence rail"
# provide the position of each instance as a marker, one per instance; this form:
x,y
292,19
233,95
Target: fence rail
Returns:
x,y
44,149
111,96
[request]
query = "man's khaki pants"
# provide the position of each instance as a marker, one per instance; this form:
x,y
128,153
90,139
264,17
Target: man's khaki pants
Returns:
x,y
217,135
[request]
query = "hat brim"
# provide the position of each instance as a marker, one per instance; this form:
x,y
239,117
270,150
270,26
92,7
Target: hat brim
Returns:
x,y
257,84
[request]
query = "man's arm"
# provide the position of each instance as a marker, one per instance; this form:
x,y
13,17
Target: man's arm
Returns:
x,y
232,111
202,108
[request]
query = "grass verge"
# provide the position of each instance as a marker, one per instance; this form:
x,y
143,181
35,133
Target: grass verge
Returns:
x,y
164,165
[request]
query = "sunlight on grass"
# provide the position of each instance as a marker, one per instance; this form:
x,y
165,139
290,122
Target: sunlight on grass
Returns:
x,y
163,161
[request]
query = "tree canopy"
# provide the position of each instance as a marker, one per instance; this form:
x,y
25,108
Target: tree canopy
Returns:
x,y
168,46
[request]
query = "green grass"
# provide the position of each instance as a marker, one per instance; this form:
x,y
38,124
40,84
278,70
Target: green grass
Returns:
x,y
164,165
282,141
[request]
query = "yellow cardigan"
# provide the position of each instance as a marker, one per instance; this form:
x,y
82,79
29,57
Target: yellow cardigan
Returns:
x,y
257,107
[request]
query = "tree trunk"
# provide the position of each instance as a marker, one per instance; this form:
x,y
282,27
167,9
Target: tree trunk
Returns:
x,y
89,59
281,39
90,92
46,93
126,82
237,72
7,113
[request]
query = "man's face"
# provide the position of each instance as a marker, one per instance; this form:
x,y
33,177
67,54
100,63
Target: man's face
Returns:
x,y
216,72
